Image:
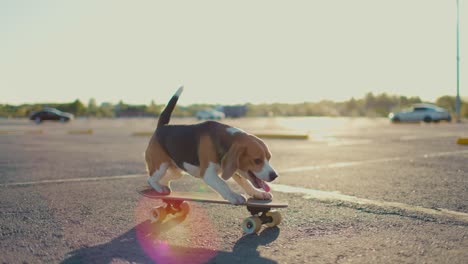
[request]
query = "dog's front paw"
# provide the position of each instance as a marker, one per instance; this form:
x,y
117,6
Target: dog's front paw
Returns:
x,y
165,190
161,189
236,199
263,196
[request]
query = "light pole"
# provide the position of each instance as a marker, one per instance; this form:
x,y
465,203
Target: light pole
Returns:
x,y
457,104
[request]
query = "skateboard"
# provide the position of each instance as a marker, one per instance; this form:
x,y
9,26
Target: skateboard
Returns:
x,y
177,203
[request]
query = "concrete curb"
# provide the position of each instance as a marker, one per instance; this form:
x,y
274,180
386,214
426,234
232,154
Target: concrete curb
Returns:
x,y
81,132
142,134
35,132
282,136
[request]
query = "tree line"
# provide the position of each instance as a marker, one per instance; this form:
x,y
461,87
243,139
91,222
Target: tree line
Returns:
x,y
370,105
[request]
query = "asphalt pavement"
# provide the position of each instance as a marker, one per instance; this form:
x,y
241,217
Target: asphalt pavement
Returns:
x,y
359,190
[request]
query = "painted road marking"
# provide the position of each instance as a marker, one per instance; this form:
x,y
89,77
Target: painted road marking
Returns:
x,y
297,169
307,194
336,196
334,142
119,177
363,162
418,137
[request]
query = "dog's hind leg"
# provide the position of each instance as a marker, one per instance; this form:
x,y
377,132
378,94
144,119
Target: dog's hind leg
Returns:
x,y
171,175
154,180
157,163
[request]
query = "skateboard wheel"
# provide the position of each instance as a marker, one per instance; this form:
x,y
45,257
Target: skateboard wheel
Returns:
x,y
276,218
184,208
157,214
252,224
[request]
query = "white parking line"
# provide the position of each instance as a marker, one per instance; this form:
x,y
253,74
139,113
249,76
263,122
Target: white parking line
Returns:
x,y
419,137
333,142
308,193
131,176
355,163
336,196
296,169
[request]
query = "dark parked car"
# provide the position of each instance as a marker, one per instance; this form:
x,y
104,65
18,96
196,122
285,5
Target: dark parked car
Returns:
x,y
51,114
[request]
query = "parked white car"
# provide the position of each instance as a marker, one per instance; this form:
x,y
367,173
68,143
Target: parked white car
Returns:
x,y
210,114
421,112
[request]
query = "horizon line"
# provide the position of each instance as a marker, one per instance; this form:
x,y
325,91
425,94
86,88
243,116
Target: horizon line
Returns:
x,y
219,103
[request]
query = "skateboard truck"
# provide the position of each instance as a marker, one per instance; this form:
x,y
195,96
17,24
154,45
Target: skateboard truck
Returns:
x,y
159,213
260,216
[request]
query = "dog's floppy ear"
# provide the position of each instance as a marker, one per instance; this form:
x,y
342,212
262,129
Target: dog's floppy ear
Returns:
x,y
264,146
230,162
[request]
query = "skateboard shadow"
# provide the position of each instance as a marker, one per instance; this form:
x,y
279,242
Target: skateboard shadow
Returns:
x,y
128,247
245,249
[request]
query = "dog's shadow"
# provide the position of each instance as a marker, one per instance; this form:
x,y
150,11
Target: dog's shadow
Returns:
x,y
129,247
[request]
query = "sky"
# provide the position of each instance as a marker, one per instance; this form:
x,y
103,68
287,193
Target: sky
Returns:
x,y
228,52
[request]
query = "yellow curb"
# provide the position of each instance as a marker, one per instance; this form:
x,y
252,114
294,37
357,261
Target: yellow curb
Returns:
x,y
81,132
142,133
283,136
462,141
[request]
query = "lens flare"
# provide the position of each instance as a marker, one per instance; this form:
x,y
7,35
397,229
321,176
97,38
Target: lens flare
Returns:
x,y
175,239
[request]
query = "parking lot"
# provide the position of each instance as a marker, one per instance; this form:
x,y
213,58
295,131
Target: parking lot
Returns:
x,y
359,190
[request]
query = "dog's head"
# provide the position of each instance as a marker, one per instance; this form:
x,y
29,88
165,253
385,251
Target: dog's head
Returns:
x,y
249,156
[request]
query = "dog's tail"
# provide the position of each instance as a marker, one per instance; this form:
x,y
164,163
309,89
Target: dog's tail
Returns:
x,y
166,113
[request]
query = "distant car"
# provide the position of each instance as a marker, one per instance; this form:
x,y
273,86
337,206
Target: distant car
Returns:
x,y
50,114
210,114
421,112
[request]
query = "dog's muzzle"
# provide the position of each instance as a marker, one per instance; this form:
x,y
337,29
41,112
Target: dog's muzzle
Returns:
x,y
259,183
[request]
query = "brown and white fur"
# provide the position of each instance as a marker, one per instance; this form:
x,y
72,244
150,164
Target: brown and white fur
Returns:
x,y
205,150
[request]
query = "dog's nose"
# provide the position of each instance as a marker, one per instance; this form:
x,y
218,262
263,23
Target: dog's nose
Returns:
x,y
273,175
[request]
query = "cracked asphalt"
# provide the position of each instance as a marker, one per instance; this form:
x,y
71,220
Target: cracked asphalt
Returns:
x,y
410,182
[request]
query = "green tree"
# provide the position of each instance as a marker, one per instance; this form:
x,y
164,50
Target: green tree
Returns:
x,y
447,102
106,110
153,108
77,108
464,110
92,107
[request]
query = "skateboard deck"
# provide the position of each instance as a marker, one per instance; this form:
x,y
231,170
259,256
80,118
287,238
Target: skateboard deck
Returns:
x,y
147,191
177,203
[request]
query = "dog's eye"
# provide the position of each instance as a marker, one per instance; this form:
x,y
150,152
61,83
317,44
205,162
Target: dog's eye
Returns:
x,y
258,161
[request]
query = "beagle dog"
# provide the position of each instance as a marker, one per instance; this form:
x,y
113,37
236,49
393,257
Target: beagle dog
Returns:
x,y
206,150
